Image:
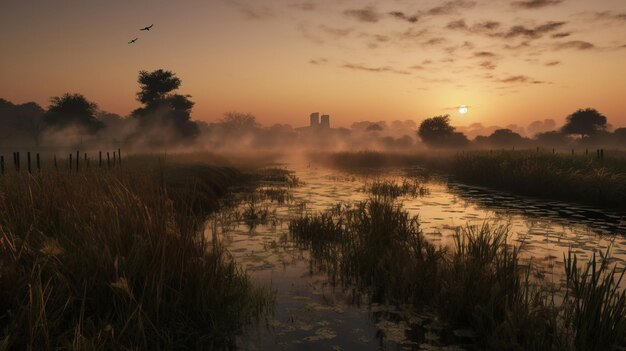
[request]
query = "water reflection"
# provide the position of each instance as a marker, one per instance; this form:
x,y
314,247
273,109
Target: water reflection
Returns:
x,y
313,314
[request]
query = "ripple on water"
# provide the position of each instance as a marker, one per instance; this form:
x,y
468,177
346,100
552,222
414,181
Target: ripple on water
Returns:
x,y
312,313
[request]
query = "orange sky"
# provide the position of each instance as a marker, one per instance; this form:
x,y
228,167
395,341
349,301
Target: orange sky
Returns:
x,y
511,61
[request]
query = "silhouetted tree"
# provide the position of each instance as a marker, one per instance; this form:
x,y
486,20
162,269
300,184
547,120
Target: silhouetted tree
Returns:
x,y
72,110
163,110
20,121
374,128
502,137
620,135
437,131
237,122
585,122
553,138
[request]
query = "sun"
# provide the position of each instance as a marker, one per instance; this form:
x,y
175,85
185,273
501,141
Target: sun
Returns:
x,y
463,109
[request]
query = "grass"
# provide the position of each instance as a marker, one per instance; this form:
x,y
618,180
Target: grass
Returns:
x,y
392,190
117,260
579,177
478,284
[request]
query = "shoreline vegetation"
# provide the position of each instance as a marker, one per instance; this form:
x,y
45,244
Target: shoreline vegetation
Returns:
x,y
483,293
579,177
117,259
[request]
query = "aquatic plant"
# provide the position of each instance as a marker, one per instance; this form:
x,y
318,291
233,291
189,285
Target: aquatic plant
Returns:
x,y
479,285
391,189
115,260
595,306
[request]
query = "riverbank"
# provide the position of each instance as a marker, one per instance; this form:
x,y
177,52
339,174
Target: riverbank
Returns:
x,y
117,259
579,178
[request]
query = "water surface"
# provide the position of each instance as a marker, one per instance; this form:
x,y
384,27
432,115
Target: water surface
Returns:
x,y
312,314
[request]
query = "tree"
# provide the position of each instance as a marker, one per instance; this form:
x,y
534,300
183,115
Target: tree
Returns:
x,y
553,138
19,121
585,122
504,137
165,113
72,110
374,128
620,134
437,131
237,122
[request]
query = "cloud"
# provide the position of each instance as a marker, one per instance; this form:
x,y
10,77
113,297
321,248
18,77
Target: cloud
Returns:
x,y
434,41
451,7
319,62
489,28
534,32
304,6
252,12
367,14
553,63
488,65
404,17
610,16
561,35
336,32
484,54
519,79
575,44
385,69
535,4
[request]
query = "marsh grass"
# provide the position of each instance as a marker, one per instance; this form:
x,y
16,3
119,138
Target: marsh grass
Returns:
x,y
595,306
391,189
559,176
117,260
562,176
478,284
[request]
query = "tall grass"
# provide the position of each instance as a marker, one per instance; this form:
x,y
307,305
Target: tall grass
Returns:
x,y
479,283
558,176
391,189
579,177
115,260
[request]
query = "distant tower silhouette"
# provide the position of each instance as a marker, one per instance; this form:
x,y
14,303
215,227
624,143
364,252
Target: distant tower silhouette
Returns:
x,y
315,120
325,123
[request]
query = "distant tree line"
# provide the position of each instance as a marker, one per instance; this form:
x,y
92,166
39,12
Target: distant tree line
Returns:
x,y
164,120
585,127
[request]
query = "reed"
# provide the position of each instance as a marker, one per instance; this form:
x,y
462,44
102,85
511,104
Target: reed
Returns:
x,y
115,260
478,284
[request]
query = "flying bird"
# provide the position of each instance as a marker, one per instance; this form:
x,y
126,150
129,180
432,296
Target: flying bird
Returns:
x,y
147,28
132,41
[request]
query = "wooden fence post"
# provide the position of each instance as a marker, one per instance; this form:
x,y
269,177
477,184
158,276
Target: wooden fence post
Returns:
x,y
114,157
2,164
70,162
38,163
108,160
77,159
28,160
55,162
17,158
100,159
119,156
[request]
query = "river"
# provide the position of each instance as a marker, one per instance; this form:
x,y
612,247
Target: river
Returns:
x,y
312,314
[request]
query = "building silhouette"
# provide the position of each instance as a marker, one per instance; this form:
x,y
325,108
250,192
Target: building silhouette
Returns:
x,y
325,122
315,120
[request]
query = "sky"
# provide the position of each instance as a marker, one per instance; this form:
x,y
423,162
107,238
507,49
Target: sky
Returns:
x,y
509,61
